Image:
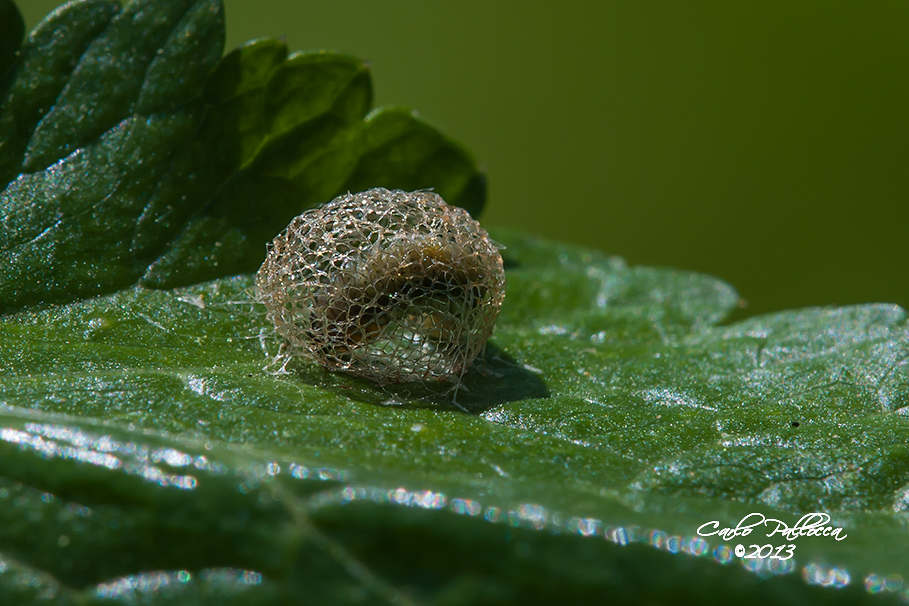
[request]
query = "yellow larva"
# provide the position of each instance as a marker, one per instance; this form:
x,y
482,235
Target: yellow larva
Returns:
x,y
389,285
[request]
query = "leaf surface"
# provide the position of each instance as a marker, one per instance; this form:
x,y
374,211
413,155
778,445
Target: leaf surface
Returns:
x,y
610,404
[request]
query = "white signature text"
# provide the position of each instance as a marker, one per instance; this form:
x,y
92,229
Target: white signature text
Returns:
x,y
809,525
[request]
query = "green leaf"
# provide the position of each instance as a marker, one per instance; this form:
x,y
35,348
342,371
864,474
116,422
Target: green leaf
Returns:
x,y
132,153
98,149
148,455
12,28
610,404
46,63
402,151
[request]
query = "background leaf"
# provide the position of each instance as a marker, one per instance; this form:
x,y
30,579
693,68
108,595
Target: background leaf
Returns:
x,y
13,28
131,152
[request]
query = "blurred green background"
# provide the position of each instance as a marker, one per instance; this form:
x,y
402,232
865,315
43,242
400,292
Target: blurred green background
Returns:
x,y
766,143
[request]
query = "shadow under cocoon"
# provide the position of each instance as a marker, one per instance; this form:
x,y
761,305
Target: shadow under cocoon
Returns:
x,y
494,378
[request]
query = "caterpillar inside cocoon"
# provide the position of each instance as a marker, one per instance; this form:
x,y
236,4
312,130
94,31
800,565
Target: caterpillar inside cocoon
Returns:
x,y
392,286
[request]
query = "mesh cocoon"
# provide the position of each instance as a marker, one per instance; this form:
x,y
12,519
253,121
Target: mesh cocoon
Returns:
x,y
389,285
